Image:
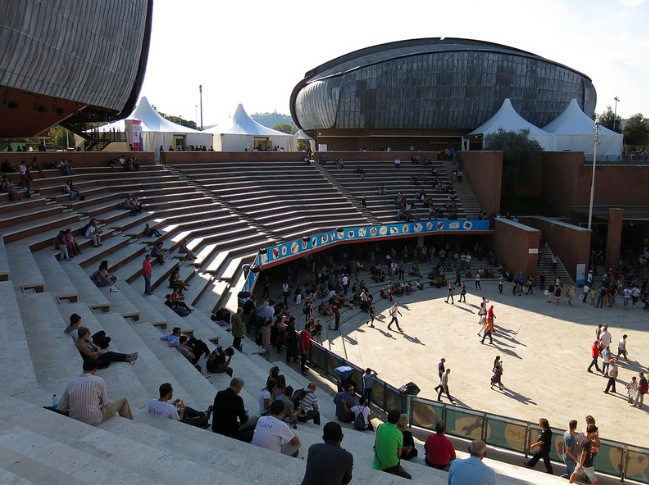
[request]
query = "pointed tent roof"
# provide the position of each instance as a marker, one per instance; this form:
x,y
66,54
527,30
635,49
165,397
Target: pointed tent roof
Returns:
x,y
300,135
573,121
242,124
151,120
508,119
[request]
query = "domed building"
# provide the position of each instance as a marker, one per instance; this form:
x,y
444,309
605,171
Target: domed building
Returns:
x,y
429,92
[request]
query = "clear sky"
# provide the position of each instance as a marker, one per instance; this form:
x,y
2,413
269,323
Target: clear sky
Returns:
x,y
254,52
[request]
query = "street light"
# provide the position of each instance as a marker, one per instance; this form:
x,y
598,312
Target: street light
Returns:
x,y
200,90
617,100
592,184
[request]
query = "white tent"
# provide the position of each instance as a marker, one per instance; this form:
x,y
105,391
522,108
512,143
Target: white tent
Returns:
x,y
243,133
158,131
508,119
574,131
300,135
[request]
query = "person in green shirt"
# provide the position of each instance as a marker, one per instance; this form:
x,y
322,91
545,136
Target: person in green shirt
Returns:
x,y
388,447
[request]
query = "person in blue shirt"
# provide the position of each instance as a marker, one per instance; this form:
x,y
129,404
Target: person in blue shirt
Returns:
x,y
472,471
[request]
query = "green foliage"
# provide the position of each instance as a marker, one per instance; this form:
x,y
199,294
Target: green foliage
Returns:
x,y
636,132
58,138
610,120
285,128
520,153
177,119
270,120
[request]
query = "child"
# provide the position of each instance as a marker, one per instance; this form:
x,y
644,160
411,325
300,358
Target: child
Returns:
x,y
631,389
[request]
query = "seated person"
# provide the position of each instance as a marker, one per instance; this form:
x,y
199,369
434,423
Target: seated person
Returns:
x,y
362,410
69,189
177,410
266,397
71,243
409,451
192,351
93,232
439,449
178,299
184,249
158,253
102,277
175,281
344,402
9,187
180,310
88,350
308,404
274,434
86,398
100,338
290,415
150,231
229,415
219,361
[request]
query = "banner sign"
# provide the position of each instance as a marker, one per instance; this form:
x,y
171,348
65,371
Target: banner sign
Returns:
x,y
133,130
352,234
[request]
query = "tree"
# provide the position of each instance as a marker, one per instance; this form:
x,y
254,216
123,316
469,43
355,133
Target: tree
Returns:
x,y
176,119
520,153
636,132
610,120
285,128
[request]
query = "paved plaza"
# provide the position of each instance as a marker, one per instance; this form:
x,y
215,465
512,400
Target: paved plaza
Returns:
x,y
545,349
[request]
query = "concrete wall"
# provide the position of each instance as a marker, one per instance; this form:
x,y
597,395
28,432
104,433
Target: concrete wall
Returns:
x,y
352,156
512,243
571,243
205,157
483,171
79,159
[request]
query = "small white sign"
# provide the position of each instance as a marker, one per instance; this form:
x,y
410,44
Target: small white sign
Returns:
x,y
533,250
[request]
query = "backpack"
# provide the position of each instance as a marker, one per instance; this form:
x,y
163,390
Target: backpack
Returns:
x,y
297,397
359,422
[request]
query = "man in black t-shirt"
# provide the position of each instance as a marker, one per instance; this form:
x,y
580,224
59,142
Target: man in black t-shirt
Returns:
x,y
542,446
585,464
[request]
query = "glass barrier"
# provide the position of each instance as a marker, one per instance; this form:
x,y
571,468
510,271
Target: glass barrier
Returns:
x,y
464,423
637,464
609,460
506,433
425,414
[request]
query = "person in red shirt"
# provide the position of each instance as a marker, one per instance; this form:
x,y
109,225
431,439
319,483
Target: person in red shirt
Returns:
x,y
147,271
304,345
594,353
439,449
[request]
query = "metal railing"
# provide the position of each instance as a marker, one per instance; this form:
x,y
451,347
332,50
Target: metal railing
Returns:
x,y
614,458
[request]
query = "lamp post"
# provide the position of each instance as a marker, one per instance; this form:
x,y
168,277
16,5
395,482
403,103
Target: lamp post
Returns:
x,y
200,90
617,100
592,184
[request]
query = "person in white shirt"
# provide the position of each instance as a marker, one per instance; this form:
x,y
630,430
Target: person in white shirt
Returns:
x,y
605,337
274,434
364,409
177,410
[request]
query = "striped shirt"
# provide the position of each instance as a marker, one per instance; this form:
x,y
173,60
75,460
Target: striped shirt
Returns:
x,y
308,401
84,397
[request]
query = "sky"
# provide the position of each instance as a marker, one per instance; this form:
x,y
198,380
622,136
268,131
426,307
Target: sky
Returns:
x,y
254,52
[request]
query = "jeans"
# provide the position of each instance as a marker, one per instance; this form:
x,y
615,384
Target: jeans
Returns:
x,y
147,285
594,363
570,466
311,414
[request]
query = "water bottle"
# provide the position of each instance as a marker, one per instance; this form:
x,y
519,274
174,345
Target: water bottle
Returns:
x,y
55,402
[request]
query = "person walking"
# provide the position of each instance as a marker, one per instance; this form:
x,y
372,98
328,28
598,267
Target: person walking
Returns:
x,y
594,353
542,446
477,281
443,387
643,388
441,369
147,271
462,293
451,289
488,330
612,375
394,311
567,448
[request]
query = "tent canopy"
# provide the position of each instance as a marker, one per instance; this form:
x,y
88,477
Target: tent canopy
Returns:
x,y
508,119
574,131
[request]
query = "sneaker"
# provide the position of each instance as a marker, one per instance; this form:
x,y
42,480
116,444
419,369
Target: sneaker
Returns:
x,y
208,412
132,358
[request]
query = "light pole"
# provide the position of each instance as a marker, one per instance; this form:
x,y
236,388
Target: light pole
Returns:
x,y
592,184
200,90
617,100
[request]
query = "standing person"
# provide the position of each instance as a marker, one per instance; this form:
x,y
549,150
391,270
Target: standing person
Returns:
x,y
451,289
491,316
631,389
501,281
621,349
394,310
530,285
584,295
304,346
472,470
543,443
147,271
443,382
482,315
477,281
238,329
327,463
605,337
441,369
335,311
585,463
557,294
568,448
372,311
555,261
643,388
86,398
488,330
368,384
389,446
606,360
497,376
612,375
570,294
462,293
594,353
